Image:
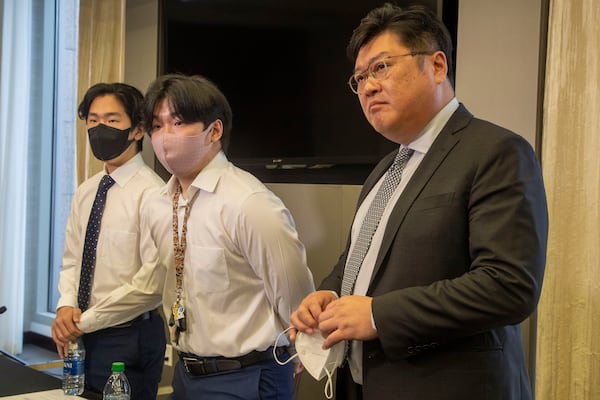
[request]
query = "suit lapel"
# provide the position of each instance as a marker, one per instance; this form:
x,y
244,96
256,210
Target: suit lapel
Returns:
x,y
445,141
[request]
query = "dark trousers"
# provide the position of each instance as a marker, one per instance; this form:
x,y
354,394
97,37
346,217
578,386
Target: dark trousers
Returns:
x,y
140,346
262,381
346,388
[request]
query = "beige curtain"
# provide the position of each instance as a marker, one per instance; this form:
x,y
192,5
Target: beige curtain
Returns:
x,y
101,59
568,350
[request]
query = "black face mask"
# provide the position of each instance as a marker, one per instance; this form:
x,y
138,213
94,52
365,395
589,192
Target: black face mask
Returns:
x,y
108,142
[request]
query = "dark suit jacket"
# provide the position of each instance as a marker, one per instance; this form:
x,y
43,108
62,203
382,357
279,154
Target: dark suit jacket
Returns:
x,y
460,266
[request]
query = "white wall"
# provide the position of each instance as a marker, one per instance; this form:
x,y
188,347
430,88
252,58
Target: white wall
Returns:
x,y
497,61
141,51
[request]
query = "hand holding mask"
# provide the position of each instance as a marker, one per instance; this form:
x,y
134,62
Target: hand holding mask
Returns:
x,y
317,361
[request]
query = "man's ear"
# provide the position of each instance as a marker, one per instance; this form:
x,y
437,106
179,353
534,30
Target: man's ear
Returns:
x,y
440,65
136,133
217,131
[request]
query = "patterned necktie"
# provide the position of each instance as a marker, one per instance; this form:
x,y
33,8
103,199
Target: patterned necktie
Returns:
x,y
91,240
372,218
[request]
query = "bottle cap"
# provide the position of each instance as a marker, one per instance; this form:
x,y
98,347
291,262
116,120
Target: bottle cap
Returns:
x,y
118,366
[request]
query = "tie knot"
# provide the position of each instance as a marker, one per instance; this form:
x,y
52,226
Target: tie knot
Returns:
x,y
106,182
402,157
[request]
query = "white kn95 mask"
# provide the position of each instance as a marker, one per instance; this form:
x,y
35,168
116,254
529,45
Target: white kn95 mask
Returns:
x,y
318,362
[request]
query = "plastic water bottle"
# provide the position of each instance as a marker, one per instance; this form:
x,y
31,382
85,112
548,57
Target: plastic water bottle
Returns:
x,y
74,369
117,386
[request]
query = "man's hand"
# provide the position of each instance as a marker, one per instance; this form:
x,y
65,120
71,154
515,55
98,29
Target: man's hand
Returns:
x,y
64,328
347,318
306,317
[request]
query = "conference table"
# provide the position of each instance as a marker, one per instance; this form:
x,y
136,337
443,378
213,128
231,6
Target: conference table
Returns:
x,y
16,379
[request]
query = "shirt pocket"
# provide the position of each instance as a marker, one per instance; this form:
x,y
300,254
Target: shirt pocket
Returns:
x,y
119,248
209,269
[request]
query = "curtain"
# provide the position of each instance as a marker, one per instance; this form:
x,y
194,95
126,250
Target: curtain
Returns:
x,y
101,59
15,79
568,351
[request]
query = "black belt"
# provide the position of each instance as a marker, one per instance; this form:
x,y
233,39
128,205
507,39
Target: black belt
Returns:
x,y
142,317
198,366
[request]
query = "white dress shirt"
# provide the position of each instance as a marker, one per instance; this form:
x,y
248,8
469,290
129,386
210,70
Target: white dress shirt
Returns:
x,y
245,269
420,146
118,256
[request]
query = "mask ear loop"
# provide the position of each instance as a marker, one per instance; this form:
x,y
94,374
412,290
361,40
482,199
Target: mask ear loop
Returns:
x,y
329,384
275,350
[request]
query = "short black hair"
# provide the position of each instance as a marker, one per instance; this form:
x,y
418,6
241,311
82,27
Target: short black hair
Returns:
x,y
129,96
193,98
417,28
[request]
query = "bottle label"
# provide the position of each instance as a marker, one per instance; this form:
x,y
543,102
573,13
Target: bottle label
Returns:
x,y
77,367
74,367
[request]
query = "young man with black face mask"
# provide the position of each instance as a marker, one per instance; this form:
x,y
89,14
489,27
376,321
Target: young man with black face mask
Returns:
x,y
102,249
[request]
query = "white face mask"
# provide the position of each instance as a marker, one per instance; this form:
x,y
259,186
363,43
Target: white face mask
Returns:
x,y
318,362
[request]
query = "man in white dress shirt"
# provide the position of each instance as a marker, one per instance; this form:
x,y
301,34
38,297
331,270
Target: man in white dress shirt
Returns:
x,y
134,332
235,268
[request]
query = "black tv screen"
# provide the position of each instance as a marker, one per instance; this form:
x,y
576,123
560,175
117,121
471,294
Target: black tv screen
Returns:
x,y
283,67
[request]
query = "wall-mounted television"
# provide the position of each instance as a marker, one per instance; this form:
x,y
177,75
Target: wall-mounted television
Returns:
x,y
283,67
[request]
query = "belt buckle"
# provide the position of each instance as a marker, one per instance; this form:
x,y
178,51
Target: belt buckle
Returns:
x,y
195,362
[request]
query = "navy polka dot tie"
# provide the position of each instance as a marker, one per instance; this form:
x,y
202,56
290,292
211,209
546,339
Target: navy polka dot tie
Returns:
x,y
91,241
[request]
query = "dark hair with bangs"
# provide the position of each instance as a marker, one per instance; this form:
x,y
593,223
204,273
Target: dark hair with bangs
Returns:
x,y
130,97
193,99
417,28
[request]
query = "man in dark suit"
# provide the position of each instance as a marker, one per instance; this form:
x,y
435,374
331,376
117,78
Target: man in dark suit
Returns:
x,y
455,259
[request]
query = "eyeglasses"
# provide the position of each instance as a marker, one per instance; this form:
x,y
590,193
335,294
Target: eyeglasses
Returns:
x,y
378,70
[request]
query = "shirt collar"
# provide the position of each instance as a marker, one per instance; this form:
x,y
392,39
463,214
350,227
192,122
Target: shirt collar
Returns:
x,y
425,139
206,180
125,172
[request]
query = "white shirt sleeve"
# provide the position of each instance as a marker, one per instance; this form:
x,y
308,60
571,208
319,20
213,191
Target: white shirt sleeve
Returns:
x,y
275,253
71,262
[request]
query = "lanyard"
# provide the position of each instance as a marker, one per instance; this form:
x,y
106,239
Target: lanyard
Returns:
x,y
177,322
179,244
